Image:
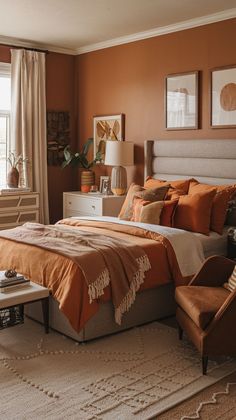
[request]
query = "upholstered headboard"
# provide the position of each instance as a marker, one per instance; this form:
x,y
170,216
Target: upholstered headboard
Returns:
x,y
209,161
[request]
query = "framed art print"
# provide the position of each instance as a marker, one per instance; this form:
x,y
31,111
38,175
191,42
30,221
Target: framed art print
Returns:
x,y
223,97
111,127
181,101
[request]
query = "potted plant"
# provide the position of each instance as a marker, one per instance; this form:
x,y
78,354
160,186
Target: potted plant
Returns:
x,y
80,159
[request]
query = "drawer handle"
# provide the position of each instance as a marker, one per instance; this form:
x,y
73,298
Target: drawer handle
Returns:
x,y
69,202
93,207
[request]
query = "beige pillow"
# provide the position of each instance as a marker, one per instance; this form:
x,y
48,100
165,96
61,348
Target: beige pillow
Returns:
x,y
151,213
153,194
231,283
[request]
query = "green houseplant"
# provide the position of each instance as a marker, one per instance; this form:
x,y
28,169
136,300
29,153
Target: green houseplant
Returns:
x,y
80,159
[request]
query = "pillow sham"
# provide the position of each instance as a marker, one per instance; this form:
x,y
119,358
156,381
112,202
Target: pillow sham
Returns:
x,y
194,212
180,184
153,194
224,193
146,211
231,283
159,214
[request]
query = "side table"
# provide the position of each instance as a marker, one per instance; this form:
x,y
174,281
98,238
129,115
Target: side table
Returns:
x,y
19,297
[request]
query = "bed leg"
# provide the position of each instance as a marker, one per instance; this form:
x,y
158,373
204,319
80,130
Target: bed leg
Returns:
x,y
45,309
180,330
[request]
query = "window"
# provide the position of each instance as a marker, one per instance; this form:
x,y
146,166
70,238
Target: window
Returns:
x,y
5,109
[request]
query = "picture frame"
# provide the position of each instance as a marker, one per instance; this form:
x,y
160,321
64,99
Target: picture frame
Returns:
x,y
181,101
107,127
223,97
104,186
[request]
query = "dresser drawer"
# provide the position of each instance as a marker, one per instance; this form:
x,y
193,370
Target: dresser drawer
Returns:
x,y
12,219
85,205
24,201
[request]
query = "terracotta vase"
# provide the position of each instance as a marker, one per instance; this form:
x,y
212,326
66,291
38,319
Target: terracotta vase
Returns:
x,y
87,180
13,178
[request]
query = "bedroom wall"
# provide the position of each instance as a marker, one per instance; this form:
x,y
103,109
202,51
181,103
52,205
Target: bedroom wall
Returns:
x,y
60,96
130,79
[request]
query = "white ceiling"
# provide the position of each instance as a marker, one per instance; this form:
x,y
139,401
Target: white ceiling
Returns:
x,y
77,26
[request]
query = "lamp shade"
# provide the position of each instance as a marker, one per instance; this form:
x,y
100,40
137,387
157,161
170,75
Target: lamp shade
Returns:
x,y
119,153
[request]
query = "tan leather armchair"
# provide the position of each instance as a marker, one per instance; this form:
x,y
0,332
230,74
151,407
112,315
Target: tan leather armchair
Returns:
x,y
206,311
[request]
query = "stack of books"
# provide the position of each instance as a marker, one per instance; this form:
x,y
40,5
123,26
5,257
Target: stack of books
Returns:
x,y
11,284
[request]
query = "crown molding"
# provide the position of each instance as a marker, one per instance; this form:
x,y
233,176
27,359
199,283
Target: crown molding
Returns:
x,y
27,44
180,26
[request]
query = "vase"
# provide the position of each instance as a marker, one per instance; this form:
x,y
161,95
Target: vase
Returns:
x,y
13,178
87,180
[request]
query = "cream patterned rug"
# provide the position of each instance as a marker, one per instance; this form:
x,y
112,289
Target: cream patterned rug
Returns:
x,y
132,375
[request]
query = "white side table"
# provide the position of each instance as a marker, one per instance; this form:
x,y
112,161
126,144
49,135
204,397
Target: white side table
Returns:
x,y
19,297
76,203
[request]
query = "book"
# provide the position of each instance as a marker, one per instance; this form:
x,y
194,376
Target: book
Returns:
x,y
13,283
14,288
6,191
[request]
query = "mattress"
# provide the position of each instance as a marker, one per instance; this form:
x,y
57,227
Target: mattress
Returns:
x,y
214,244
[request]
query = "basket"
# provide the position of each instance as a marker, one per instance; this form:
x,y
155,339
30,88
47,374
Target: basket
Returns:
x,y
11,316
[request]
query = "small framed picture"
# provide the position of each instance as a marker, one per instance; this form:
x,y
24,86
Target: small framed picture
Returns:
x,y
107,127
181,101
105,185
223,97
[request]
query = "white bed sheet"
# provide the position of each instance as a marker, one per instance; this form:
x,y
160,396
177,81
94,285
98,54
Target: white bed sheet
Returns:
x,y
214,244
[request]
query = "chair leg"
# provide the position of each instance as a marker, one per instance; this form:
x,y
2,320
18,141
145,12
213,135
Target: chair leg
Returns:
x,y
180,332
204,364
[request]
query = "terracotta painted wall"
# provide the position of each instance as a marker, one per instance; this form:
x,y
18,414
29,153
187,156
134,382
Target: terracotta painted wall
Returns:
x,y
60,96
130,79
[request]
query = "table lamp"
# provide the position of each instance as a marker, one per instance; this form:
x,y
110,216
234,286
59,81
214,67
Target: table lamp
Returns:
x,y
119,154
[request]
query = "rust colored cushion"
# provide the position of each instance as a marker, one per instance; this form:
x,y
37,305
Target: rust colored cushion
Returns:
x,y
200,303
224,194
168,211
152,194
181,184
194,212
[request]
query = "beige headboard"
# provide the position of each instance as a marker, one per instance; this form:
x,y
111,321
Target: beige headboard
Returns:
x,y
210,161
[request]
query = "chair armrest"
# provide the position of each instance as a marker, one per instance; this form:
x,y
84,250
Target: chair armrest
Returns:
x,y
214,272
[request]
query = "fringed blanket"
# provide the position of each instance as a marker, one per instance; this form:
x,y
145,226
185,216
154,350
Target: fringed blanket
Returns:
x,y
103,260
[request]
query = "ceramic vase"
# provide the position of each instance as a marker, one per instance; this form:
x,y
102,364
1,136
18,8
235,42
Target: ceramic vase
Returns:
x,y
13,178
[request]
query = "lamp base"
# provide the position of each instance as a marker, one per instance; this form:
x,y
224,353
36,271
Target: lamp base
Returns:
x,y
118,180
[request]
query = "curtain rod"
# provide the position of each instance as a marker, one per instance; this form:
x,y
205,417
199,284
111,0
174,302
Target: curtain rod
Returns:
x,y
25,48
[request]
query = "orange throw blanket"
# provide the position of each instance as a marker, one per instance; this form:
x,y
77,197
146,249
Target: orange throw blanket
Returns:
x,y
103,260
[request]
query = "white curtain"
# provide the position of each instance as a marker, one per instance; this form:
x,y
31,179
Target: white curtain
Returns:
x,y
28,122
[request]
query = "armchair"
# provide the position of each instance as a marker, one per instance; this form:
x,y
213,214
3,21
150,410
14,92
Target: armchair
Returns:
x,y
206,311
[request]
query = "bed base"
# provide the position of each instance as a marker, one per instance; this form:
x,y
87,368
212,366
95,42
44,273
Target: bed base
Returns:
x,y
150,305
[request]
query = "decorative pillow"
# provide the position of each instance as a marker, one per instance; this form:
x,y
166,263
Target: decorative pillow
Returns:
x,y
181,184
146,211
231,283
194,212
168,211
154,194
221,201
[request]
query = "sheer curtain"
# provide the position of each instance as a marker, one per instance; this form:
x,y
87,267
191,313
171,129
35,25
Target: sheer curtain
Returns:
x,y
28,121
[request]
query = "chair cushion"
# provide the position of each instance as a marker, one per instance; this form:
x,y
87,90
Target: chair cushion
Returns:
x,y
201,303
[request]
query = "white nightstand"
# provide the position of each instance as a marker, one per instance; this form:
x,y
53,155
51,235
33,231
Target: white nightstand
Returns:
x,y
76,203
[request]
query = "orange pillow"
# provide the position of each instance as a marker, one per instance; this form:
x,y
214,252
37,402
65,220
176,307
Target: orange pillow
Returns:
x,y
221,200
194,212
168,211
180,184
153,194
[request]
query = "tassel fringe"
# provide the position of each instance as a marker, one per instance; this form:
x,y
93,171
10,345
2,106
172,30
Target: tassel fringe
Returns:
x,y
144,265
96,289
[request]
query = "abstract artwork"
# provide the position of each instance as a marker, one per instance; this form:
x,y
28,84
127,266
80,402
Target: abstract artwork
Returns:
x,y
223,97
181,100
58,135
107,128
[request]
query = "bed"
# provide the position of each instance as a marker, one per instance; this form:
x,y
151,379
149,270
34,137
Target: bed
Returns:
x,y
210,161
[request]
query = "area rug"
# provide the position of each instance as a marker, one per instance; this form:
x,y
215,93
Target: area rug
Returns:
x,y
132,375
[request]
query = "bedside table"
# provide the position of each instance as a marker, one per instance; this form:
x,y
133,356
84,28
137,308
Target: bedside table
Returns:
x,y
76,203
